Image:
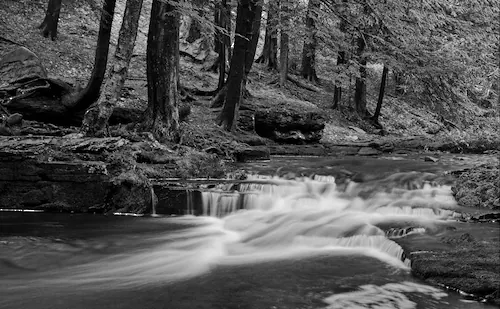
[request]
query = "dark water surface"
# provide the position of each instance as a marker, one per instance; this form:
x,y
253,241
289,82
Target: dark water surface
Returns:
x,y
279,244
42,255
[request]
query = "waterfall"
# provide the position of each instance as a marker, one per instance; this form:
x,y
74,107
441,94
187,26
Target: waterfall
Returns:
x,y
271,214
265,218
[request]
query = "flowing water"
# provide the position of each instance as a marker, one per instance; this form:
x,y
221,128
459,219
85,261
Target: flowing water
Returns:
x,y
266,242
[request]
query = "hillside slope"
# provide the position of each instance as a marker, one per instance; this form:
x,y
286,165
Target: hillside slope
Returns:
x,y
70,58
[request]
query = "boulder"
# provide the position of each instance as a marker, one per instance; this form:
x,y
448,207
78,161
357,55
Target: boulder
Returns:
x,y
252,154
20,64
292,124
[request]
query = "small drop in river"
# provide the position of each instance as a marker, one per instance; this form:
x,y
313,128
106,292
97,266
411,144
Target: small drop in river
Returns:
x,y
265,242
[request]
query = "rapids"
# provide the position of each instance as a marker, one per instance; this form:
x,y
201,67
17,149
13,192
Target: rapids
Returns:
x,y
262,220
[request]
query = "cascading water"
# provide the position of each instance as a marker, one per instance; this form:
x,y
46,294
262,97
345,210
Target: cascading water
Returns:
x,y
253,223
274,217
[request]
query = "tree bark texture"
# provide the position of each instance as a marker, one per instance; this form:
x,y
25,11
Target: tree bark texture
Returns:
x,y
311,42
252,48
284,40
341,59
97,116
51,20
222,40
162,57
90,94
246,14
380,94
269,54
337,92
360,92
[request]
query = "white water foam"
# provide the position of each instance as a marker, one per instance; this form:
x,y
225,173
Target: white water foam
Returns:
x,y
270,219
387,296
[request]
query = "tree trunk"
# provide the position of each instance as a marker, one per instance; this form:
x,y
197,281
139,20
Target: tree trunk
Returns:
x,y
284,18
246,14
380,95
360,92
162,57
399,83
195,28
222,40
337,92
269,54
97,116
252,48
341,59
83,99
51,20
309,50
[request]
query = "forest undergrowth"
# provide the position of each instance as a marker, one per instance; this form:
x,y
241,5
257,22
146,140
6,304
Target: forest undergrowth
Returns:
x,y
70,58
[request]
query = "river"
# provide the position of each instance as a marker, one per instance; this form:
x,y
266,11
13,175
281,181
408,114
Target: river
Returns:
x,y
269,242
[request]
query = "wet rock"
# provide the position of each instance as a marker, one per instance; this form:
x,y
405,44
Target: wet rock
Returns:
x,y
357,130
14,120
368,151
246,120
130,196
430,159
478,187
252,154
33,198
5,131
463,259
299,150
252,140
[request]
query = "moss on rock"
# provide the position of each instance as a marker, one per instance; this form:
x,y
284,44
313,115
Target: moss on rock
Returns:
x,y
479,187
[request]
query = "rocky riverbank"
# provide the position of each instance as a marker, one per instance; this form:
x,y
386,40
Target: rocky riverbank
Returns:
x,y
465,256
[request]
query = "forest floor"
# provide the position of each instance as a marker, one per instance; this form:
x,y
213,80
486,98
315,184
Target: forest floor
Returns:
x,y
463,126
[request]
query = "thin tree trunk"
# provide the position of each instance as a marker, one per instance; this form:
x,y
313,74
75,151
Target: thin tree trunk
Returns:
x,y
309,50
269,54
90,94
360,92
246,13
341,59
97,116
337,92
284,39
380,95
222,40
162,57
51,20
